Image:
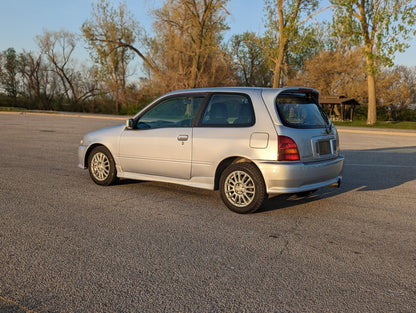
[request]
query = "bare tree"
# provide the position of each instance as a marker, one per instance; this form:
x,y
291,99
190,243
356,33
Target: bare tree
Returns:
x,y
397,87
334,73
58,47
187,42
39,84
110,34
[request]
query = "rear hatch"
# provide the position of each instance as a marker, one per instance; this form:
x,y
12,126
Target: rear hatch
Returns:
x,y
301,118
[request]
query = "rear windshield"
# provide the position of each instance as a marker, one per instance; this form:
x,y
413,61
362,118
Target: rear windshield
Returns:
x,y
299,110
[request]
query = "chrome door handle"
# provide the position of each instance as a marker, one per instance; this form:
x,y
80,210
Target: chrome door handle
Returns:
x,y
182,138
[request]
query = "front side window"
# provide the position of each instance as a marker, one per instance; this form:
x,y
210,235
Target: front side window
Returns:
x,y
172,112
299,110
228,110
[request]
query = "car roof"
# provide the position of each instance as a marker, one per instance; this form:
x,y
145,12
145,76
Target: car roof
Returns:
x,y
217,89
264,90
267,94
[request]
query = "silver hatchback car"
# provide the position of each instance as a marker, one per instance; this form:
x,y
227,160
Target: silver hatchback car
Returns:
x,y
247,142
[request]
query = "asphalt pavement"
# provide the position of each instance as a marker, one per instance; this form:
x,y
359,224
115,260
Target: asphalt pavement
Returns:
x,y
68,245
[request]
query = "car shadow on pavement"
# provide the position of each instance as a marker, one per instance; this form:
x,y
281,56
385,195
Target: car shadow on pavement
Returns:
x,y
364,170
284,201
126,181
378,169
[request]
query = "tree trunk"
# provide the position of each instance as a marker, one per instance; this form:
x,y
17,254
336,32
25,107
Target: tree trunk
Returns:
x,y
372,103
282,45
275,77
371,81
194,73
278,69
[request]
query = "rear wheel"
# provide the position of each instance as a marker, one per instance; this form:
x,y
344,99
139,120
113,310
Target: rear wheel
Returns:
x,y
242,188
101,166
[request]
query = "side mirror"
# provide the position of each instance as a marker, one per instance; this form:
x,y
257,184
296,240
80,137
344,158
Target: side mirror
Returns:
x,y
130,123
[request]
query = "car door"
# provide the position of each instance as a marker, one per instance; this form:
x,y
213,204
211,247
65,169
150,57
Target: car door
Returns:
x,y
161,142
225,130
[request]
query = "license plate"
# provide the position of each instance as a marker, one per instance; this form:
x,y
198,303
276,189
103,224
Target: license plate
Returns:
x,y
324,147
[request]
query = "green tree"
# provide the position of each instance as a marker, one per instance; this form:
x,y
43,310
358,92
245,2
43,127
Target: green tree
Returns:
x,y
284,32
382,28
9,72
250,60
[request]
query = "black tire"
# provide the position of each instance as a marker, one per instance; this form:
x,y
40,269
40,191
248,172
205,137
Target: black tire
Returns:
x,y
242,188
101,166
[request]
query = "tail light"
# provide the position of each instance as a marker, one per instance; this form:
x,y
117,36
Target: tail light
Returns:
x,y
288,150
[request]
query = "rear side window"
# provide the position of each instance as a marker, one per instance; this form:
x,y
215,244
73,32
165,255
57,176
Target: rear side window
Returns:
x,y
299,110
228,110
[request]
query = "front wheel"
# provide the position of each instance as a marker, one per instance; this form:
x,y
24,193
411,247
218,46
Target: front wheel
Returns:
x,y
101,166
242,188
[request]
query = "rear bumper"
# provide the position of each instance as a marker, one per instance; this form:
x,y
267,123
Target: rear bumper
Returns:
x,y
291,177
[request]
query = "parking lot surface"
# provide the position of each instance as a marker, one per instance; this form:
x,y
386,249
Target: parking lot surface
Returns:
x,y
68,245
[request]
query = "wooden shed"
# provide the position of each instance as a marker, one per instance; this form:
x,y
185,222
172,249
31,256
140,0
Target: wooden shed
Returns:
x,y
340,108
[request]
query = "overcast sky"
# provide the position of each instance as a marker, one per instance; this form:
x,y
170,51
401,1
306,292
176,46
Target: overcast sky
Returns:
x,y
22,20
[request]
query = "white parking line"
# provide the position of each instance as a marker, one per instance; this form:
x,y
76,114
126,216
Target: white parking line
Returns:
x,y
380,165
103,117
377,132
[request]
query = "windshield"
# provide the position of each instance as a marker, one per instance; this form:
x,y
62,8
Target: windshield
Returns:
x,y
299,110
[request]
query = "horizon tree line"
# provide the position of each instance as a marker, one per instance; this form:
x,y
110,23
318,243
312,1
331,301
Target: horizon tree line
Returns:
x,y
352,55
